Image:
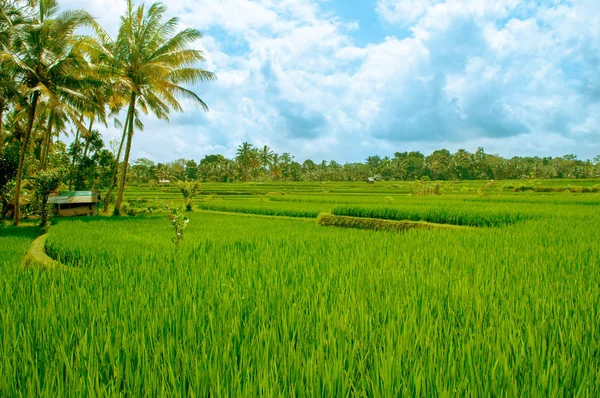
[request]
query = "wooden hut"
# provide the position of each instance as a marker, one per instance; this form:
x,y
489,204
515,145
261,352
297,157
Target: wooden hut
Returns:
x,y
74,203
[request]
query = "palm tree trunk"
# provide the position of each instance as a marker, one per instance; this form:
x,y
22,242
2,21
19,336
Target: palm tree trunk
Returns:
x,y
125,159
44,220
116,167
72,172
74,153
22,153
2,106
46,142
87,140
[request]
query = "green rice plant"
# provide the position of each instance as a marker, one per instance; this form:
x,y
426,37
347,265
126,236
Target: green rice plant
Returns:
x,y
440,215
329,220
266,306
261,207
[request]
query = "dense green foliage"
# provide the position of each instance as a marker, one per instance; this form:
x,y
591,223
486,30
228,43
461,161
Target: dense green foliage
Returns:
x,y
249,305
55,80
251,164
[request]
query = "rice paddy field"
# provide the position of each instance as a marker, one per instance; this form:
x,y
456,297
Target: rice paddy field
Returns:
x,y
261,300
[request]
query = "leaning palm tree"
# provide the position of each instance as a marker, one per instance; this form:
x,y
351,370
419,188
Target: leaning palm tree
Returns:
x,y
40,56
151,61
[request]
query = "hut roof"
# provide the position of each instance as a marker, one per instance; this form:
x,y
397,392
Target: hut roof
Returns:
x,y
65,197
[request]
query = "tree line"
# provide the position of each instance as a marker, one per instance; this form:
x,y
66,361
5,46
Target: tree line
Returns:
x,y
263,164
54,80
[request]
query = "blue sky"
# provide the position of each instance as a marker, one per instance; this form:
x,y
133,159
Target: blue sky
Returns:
x,y
335,79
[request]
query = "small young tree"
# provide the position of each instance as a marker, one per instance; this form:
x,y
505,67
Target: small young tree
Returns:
x,y
179,223
44,183
189,190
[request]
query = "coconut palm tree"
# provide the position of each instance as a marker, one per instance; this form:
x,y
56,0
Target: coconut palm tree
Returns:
x,y
247,158
151,62
266,156
40,56
10,16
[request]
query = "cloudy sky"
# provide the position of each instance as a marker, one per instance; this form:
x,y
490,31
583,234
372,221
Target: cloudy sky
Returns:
x,y
344,79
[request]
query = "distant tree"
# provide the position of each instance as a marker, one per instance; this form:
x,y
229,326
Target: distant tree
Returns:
x,y
247,159
266,156
373,162
462,164
144,170
216,168
191,170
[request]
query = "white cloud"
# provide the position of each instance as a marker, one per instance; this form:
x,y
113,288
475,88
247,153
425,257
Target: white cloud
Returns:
x,y
404,12
515,77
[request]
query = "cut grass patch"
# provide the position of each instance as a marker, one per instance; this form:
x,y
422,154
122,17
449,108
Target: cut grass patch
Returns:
x,y
36,256
330,220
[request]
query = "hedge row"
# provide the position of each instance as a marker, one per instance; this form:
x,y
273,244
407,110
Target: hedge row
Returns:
x,y
571,189
330,220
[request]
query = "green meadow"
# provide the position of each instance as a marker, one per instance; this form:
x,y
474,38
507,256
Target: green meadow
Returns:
x,y
258,299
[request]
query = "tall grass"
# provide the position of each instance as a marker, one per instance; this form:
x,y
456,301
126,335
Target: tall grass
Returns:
x,y
441,215
266,208
249,306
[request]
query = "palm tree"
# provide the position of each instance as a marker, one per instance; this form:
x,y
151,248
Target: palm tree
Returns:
x,y
151,62
9,17
40,56
245,158
276,172
266,156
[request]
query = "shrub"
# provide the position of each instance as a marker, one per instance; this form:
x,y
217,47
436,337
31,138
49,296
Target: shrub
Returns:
x,y
189,189
425,186
524,188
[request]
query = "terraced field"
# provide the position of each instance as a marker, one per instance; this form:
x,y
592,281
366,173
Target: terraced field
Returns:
x,y
252,303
